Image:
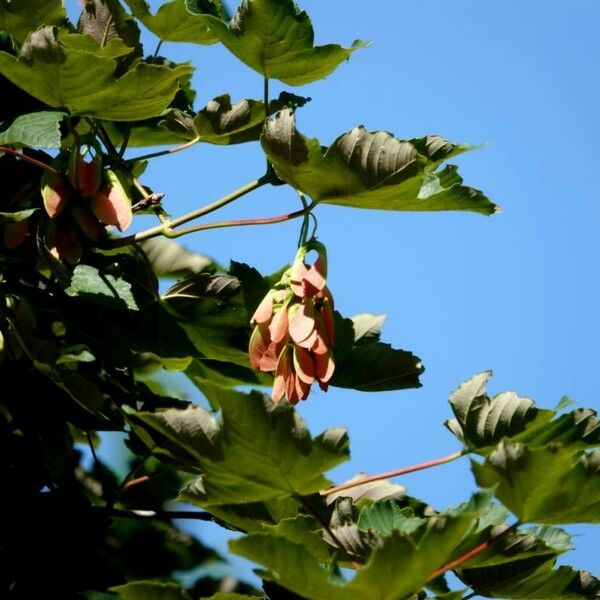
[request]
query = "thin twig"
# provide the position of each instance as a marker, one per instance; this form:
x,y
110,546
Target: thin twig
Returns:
x,y
92,449
266,96
164,152
160,515
244,222
29,159
388,474
133,482
167,228
125,140
473,552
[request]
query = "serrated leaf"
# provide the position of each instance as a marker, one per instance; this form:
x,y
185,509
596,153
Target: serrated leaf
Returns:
x,y
170,259
86,84
106,22
261,451
290,564
150,590
276,39
386,516
293,567
545,583
481,421
173,22
35,130
17,216
371,169
376,367
20,17
303,530
221,122
101,288
550,484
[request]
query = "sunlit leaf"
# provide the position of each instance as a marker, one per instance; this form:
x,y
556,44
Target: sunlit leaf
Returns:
x,y
371,169
481,421
150,590
36,130
172,22
545,583
276,39
550,484
102,288
386,516
20,17
17,216
86,84
260,452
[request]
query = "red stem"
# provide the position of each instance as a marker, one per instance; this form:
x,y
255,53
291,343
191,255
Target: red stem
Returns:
x,y
472,552
29,159
388,474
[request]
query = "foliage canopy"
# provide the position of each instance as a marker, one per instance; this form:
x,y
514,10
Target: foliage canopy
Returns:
x,y
85,331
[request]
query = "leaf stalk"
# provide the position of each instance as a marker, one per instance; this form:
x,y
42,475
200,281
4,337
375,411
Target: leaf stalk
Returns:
x,y
396,473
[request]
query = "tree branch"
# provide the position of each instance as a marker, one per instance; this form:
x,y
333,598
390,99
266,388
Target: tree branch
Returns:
x,y
164,152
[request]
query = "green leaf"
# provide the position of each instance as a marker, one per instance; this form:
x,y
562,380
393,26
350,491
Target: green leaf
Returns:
x,y
170,259
371,169
260,452
20,17
276,39
550,484
172,22
545,583
86,84
36,130
303,530
364,363
90,283
481,421
386,516
221,122
201,372
293,566
212,312
290,564
106,22
150,590
15,217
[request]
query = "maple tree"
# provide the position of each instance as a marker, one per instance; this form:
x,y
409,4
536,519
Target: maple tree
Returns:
x,y
85,333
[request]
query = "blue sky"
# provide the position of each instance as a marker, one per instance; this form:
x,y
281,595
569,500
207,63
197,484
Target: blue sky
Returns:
x,y
517,292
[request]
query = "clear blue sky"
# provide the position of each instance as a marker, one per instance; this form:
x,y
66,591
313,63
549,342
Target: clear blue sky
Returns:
x,y
517,292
